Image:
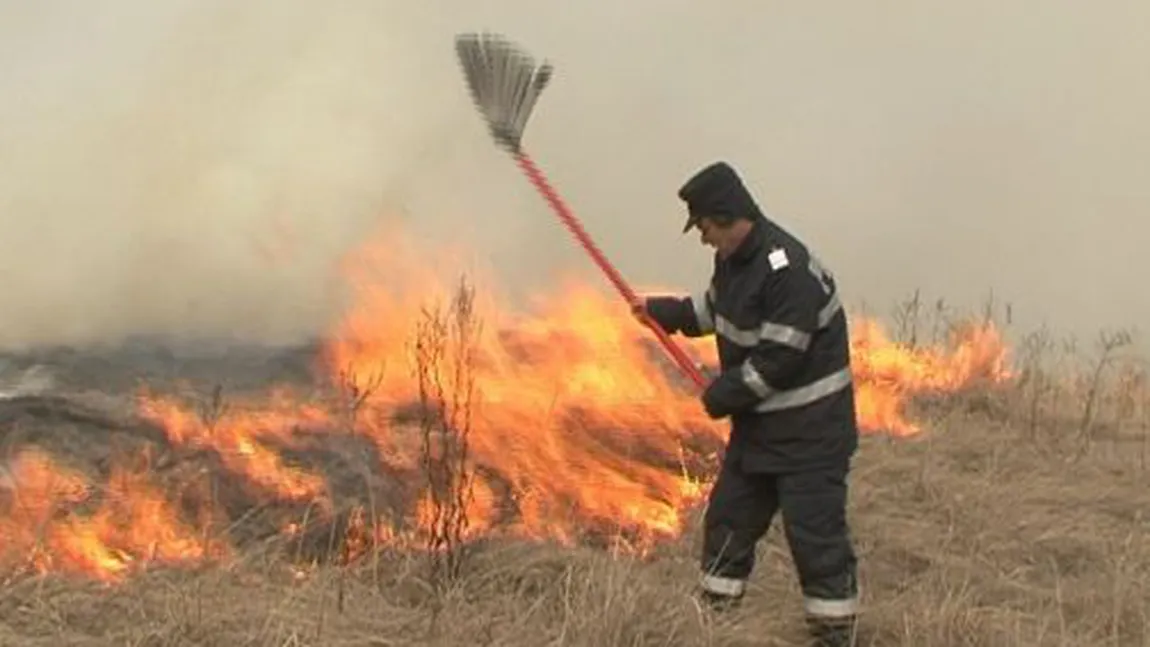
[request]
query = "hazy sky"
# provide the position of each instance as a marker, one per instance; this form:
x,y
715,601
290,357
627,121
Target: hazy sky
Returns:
x,y
155,157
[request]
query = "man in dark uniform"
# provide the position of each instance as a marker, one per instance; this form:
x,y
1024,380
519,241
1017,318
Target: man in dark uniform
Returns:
x,y
785,383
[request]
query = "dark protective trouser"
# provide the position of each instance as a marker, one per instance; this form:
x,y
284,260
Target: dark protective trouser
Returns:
x,y
741,508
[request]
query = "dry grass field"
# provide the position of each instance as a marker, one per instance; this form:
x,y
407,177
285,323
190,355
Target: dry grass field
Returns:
x,y
1014,513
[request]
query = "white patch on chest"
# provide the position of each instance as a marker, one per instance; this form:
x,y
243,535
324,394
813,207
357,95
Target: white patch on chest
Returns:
x,y
778,258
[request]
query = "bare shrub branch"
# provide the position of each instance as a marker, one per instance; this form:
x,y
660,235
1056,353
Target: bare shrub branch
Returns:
x,y
1109,343
445,354
1035,382
906,319
212,408
355,389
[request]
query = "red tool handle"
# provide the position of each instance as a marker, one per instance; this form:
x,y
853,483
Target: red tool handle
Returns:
x,y
572,223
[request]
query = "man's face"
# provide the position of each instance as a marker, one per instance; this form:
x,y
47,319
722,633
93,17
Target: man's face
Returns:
x,y
723,237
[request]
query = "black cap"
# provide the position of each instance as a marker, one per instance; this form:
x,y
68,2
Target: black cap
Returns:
x,y
716,190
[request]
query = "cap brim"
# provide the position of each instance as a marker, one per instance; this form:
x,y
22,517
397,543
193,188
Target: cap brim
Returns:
x,y
691,222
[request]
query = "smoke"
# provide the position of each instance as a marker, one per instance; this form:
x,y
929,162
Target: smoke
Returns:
x,y
198,169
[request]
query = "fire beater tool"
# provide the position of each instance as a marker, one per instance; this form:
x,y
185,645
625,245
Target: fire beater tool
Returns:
x,y
505,83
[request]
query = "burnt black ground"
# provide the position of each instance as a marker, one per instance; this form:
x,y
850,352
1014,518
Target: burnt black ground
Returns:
x,y
157,362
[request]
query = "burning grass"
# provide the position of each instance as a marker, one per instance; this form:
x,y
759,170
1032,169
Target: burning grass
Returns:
x,y
460,475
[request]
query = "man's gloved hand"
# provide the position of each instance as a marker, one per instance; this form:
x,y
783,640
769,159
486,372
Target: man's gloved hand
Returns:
x,y
709,404
661,310
639,309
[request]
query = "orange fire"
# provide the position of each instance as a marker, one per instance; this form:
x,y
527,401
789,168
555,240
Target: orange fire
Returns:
x,y
576,425
237,440
133,523
888,374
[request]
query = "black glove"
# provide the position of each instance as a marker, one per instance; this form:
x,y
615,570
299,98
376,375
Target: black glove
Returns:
x,y
666,312
709,404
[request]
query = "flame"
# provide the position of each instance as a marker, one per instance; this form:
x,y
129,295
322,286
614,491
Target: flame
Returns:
x,y
575,425
887,374
133,522
238,439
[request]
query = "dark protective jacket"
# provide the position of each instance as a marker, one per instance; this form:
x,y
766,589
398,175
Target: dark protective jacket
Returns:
x,y
782,338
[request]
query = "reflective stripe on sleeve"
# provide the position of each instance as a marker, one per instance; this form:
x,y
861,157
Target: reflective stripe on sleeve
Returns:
x,y
804,395
703,312
746,338
829,311
768,330
754,380
785,335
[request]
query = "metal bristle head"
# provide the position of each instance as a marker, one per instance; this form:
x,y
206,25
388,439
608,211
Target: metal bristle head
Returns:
x,y
505,83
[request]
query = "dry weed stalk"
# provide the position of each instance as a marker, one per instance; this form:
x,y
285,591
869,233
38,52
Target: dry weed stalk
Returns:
x,y
911,316
210,410
906,318
354,390
360,535
1144,398
1035,384
1109,343
445,356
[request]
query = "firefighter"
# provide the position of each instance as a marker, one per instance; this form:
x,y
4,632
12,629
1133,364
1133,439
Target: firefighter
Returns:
x,y
785,384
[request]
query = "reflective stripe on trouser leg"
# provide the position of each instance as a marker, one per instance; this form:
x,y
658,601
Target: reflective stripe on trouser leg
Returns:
x,y
739,511
814,513
831,609
725,586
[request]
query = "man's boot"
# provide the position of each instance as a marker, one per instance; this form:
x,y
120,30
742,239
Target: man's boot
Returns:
x,y
832,632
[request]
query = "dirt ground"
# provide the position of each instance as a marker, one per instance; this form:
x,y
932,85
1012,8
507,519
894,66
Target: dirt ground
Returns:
x,y
994,527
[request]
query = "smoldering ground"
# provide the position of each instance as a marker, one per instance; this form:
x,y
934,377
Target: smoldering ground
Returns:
x,y
198,168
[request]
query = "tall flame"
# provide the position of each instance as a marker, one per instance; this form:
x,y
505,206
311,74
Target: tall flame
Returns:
x,y
578,425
